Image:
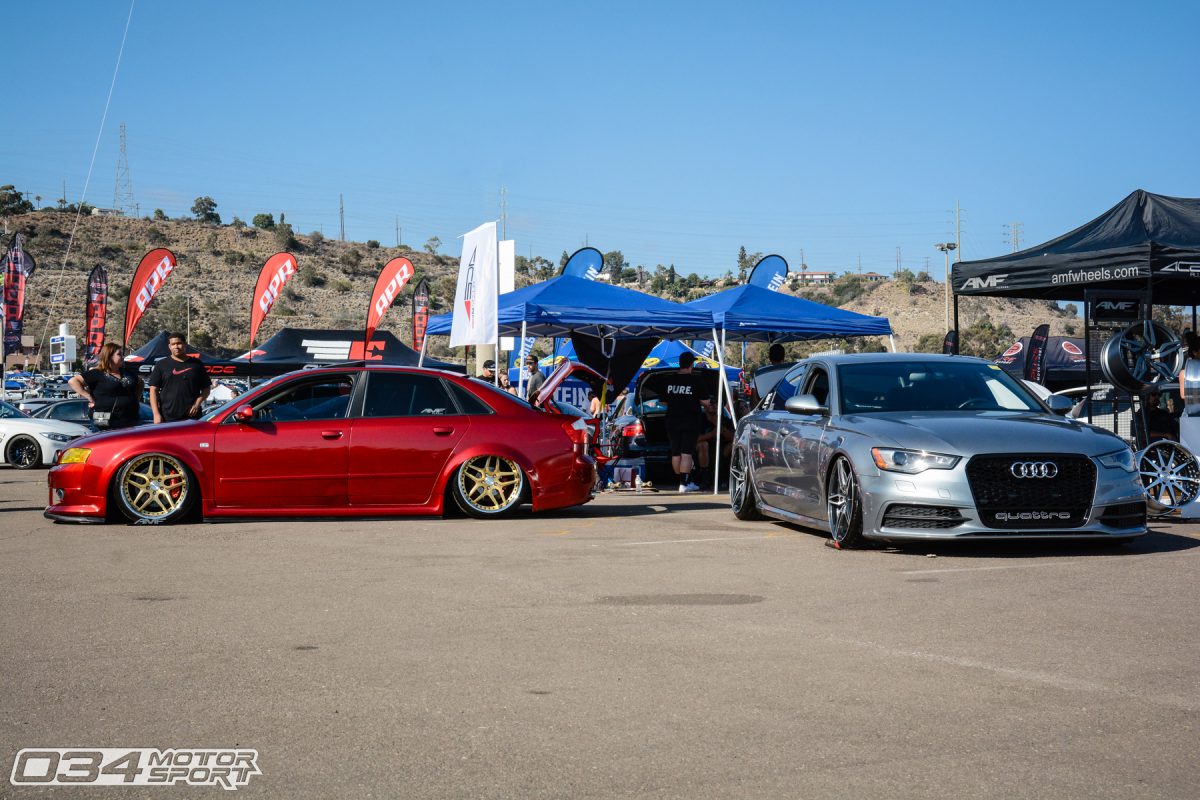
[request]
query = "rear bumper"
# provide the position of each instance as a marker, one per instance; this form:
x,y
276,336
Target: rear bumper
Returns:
x,y
576,489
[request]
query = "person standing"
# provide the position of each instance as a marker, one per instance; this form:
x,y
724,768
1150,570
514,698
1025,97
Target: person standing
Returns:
x,y
112,390
534,379
179,384
682,393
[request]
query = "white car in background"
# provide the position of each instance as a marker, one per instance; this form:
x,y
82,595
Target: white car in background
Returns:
x,y
26,443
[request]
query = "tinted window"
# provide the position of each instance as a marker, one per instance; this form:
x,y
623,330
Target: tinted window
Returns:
x,y
327,398
788,387
402,394
469,403
818,386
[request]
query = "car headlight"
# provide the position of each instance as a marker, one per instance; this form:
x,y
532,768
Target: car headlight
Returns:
x,y
57,437
1120,459
911,461
74,455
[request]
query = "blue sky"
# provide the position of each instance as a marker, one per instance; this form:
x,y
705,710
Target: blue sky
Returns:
x,y
674,132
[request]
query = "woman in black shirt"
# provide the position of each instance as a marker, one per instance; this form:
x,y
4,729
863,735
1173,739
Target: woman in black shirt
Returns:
x,y
113,392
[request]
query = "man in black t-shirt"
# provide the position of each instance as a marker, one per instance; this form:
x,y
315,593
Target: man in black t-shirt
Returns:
x,y
178,384
684,395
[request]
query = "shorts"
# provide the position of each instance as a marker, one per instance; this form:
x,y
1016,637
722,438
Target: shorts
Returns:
x,y
683,440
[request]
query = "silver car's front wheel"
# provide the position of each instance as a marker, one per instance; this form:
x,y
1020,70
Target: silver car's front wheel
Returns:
x,y
843,504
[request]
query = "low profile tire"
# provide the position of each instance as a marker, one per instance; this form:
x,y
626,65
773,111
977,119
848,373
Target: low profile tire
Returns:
x,y
843,505
154,488
486,487
22,452
743,498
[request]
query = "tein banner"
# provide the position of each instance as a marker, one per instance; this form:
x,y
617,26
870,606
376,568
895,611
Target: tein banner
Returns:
x,y
275,273
388,286
96,315
148,279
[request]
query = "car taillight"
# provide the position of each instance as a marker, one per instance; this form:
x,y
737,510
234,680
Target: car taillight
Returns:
x,y
577,431
630,431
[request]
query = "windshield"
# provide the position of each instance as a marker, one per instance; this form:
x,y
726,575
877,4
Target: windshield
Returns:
x,y
8,411
949,385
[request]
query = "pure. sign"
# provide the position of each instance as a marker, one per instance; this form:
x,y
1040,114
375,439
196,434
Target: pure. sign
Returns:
x,y
392,289
271,294
150,288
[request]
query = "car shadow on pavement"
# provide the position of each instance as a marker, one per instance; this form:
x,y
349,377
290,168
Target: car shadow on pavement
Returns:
x,y
1158,540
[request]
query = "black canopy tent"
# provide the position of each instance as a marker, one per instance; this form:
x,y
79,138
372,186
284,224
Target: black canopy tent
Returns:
x,y
1147,242
1143,251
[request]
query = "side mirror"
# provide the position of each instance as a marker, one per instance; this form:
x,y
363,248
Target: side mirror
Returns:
x,y
1059,405
244,413
805,404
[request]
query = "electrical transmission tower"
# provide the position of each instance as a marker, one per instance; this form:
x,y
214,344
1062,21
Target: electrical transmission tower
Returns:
x,y
123,191
1013,233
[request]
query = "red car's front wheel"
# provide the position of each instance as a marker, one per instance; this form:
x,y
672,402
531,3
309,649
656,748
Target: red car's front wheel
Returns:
x,y
155,488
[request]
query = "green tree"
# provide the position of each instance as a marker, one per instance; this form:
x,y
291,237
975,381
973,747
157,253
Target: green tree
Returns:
x,y
205,209
285,236
160,215
13,202
264,221
985,340
614,263
432,244
372,244
929,343
742,264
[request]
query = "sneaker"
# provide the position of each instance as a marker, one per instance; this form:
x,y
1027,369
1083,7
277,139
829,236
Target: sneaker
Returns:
x,y
688,488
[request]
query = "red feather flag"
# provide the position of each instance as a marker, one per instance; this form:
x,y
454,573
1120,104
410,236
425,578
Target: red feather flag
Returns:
x,y
275,273
149,277
392,278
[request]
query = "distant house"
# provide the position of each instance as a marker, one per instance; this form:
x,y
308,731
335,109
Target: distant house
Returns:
x,y
107,212
815,277
873,277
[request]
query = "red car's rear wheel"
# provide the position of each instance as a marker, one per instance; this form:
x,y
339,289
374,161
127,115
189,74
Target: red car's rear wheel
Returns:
x,y
488,486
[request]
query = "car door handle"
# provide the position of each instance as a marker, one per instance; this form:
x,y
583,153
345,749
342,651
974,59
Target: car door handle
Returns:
x,y
331,434
443,431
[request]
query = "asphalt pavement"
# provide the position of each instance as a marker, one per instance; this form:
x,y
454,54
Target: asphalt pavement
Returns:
x,y
640,646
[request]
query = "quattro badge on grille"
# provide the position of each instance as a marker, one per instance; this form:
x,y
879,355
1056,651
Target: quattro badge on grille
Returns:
x,y
1034,469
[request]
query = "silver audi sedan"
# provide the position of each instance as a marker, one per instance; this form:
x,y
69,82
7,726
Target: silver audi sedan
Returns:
x,y
904,446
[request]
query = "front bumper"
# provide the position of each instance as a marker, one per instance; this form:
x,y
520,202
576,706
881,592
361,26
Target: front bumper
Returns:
x,y
1117,510
73,494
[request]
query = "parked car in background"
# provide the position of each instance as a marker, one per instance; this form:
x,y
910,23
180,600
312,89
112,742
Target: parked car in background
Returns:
x,y
903,446
26,443
77,411
354,440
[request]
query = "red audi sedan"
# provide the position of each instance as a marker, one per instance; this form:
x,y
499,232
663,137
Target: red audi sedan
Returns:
x,y
350,440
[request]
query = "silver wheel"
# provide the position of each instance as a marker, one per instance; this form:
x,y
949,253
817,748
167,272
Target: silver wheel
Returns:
x,y
843,504
743,498
1170,476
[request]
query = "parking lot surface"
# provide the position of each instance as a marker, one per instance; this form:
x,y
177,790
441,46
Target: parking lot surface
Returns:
x,y
640,646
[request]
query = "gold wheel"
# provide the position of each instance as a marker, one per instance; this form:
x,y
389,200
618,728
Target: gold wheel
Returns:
x,y
154,487
488,486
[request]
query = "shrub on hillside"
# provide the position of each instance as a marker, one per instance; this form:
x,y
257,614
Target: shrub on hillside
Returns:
x,y
264,221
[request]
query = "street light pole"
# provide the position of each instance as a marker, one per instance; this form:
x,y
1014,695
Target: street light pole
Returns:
x,y
946,247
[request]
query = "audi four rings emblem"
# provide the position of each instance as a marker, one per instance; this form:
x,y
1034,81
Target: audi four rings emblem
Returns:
x,y
1034,469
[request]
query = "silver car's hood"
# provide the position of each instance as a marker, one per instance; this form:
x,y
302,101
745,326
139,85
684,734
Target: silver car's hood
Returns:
x,y
969,432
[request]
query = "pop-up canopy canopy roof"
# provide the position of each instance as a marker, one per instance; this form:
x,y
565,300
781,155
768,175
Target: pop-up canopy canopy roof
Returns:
x,y
1145,242
752,313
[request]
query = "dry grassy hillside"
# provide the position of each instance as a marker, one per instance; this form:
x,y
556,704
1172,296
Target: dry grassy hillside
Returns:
x,y
218,265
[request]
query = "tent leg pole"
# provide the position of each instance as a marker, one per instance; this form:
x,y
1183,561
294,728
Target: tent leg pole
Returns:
x,y
721,385
892,339
521,362
421,357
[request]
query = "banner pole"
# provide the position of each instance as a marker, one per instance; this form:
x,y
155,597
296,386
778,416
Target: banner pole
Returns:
x,y
421,357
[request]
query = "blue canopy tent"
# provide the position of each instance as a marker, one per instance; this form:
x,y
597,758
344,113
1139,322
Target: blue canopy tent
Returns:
x,y
665,354
754,314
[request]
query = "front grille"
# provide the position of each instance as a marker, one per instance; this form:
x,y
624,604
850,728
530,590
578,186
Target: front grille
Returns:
x,y
921,517
1005,501
1125,515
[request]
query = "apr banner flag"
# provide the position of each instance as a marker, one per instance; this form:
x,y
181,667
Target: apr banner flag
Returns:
x,y
17,268
148,279
391,280
475,298
1035,358
96,314
420,313
278,270
769,273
